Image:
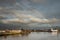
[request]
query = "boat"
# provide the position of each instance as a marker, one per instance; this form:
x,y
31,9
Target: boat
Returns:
x,y
54,30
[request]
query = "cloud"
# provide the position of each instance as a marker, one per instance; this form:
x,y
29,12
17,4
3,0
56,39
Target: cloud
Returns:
x,y
31,19
39,20
19,13
13,21
7,2
29,11
25,16
19,18
45,21
38,1
32,12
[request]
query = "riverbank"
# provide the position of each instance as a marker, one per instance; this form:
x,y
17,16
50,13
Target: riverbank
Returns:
x,y
14,32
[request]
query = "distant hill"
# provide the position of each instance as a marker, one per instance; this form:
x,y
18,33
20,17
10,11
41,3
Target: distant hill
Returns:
x,y
11,26
18,26
23,26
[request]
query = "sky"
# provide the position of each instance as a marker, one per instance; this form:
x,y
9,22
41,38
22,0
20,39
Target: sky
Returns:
x,y
30,12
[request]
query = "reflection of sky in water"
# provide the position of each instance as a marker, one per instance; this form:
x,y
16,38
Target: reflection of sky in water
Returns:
x,y
34,36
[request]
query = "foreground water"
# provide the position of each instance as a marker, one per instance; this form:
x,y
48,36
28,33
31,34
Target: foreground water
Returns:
x,y
33,36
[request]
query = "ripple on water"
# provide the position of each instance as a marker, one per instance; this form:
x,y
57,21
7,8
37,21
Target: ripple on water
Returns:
x,y
33,36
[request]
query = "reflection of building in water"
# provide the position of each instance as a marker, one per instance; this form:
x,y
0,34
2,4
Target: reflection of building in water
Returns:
x,y
54,33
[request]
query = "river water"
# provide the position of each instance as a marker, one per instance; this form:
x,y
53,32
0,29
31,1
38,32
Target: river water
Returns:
x,y
33,36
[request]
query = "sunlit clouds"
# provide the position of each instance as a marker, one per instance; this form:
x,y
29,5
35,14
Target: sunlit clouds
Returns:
x,y
30,11
30,19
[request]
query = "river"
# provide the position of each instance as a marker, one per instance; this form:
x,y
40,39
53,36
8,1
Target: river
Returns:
x,y
33,36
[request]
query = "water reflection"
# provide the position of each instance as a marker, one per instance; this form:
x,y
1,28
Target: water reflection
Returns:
x,y
54,33
33,36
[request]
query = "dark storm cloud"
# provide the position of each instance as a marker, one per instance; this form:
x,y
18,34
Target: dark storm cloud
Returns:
x,y
7,2
50,9
30,10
